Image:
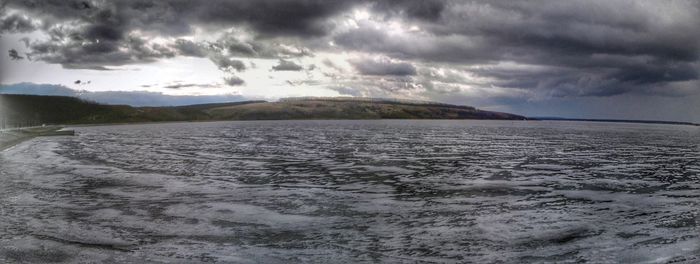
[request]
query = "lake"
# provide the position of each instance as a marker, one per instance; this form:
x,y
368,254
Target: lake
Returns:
x,y
355,191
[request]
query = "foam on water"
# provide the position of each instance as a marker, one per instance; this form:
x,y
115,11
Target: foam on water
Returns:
x,y
354,191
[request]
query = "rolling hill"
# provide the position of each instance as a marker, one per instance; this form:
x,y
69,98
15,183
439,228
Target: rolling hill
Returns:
x,y
27,110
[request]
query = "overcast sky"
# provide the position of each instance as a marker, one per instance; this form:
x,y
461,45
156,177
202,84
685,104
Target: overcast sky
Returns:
x,y
596,59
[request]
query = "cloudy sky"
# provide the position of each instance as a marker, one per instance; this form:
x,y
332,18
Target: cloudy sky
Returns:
x,y
593,59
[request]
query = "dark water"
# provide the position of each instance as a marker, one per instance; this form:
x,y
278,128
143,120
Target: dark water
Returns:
x,y
355,191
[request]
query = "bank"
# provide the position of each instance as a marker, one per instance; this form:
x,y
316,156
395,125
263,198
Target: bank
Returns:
x,y
12,137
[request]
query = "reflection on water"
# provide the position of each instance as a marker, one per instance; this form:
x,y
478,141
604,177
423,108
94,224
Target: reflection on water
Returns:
x,y
355,191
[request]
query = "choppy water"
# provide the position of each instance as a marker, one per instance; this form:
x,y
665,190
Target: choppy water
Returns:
x,y
355,191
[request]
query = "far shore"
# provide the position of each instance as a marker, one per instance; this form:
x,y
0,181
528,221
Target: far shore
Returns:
x,y
78,125
390,119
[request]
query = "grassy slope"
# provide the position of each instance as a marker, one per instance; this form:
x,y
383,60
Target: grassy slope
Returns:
x,y
319,109
68,110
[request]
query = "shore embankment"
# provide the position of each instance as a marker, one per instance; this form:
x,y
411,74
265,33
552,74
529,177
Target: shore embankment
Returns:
x,y
12,137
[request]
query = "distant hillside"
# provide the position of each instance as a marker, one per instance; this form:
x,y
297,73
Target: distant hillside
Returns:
x,y
314,108
27,110
33,110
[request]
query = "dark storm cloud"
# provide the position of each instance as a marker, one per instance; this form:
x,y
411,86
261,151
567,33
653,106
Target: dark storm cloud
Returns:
x,y
275,17
234,81
98,34
285,65
429,48
227,64
383,67
95,47
16,23
605,47
578,48
600,27
474,32
423,9
14,55
271,17
233,44
190,48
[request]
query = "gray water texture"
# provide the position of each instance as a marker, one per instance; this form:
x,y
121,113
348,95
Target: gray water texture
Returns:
x,y
384,191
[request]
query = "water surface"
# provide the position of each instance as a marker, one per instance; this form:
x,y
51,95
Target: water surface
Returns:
x,y
355,191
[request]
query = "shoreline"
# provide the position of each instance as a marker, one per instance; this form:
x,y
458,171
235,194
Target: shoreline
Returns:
x,y
378,119
266,120
11,138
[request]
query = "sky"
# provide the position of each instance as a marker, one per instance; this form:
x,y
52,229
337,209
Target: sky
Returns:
x,y
617,59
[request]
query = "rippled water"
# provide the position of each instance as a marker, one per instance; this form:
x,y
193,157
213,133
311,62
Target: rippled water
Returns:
x,y
355,191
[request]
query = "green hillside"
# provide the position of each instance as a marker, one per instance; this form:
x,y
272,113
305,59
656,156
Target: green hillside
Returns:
x,y
28,110
31,110
350,109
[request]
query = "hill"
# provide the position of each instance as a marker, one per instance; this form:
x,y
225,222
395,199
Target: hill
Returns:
x,y
317,108
32,110
28,110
